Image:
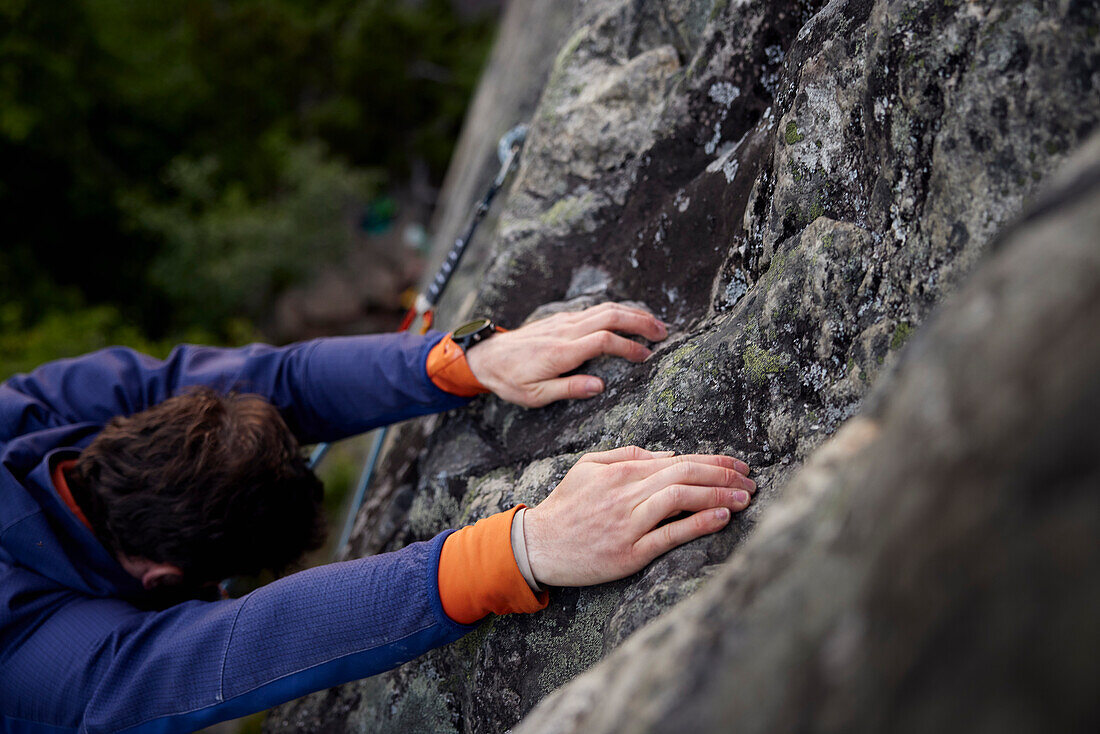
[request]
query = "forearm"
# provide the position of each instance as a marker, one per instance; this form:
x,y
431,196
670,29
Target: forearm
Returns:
x,y
104,666
352,384
336,623
326,388
481,570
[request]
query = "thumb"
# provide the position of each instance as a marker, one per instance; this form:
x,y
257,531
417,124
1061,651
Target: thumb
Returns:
x,y
563,388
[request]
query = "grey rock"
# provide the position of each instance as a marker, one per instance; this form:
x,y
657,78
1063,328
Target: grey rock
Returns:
x,y
795,187
954,587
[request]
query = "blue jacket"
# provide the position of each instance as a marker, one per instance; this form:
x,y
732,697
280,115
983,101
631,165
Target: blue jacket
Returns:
x,y
75,655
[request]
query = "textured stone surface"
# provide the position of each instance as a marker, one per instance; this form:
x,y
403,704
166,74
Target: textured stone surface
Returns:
x,y
934,566
794,186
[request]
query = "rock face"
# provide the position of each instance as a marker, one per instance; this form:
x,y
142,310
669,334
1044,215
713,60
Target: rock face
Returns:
x,y
794,186
935,565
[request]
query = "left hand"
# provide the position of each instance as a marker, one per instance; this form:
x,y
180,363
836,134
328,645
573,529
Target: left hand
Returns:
x,y
524,366
604,520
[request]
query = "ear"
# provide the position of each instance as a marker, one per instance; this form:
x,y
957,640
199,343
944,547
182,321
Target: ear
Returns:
x,y
161,574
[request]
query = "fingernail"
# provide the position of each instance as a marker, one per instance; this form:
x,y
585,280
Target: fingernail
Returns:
x,y
748,484
593,386
722,514
741,496
662,454
740,467
662,329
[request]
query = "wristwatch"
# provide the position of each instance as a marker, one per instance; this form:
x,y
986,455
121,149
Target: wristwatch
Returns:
x,y
473,332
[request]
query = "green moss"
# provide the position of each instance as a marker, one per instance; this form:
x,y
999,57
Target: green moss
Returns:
x,y
431,513
675,360
670,374
555,90
791,134
476,490
418,706
567,210
422,708
568,653
667,399
902,332
793,214
566,52
827,240
467,648
816,210
775,268
467,653
760,363
785,312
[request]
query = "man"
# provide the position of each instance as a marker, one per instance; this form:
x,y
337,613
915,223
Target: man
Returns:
x,y
123,479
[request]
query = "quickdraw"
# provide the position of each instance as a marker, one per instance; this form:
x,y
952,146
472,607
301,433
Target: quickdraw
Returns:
x,y
508,152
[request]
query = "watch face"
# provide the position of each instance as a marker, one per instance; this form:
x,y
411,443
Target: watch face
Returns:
x,y
471,328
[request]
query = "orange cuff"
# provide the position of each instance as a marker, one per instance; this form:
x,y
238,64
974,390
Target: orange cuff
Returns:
x,y
478,574
62,488
448,369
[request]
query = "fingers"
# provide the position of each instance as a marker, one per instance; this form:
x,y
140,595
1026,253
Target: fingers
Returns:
x,y
665,538
677,498
599,523
623,453
639,463
620,318
562,388
715,473
728,462
579,351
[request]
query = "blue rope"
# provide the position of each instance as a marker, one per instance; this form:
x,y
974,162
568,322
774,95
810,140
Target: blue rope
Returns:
x,y
318,454
361,486
508,149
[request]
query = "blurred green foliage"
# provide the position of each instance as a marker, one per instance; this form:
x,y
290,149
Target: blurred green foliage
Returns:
x,y
169,167
229,251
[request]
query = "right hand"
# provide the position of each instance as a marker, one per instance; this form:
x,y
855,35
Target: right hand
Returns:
x,y
600,523
526,366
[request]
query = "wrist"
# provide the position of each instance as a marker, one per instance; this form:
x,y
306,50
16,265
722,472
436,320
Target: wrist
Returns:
x,y
519,550
449,365
449,370
534,539
478,572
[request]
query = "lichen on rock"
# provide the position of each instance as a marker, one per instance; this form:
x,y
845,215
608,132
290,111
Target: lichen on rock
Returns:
x,y
794,187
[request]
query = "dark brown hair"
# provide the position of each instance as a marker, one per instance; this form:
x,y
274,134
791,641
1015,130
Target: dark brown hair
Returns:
x,y
215,484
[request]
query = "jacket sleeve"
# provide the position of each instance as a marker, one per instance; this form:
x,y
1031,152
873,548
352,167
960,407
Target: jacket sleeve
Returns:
x,y
326,389
100,665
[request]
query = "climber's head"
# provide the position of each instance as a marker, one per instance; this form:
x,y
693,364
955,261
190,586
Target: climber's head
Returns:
x,y
208,485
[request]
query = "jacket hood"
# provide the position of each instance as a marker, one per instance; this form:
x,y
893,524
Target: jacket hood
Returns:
x,y
38,531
